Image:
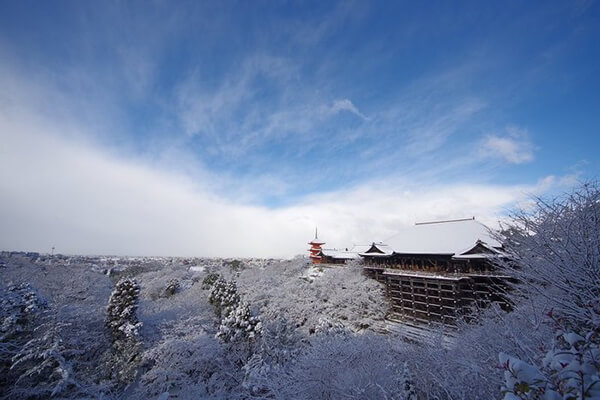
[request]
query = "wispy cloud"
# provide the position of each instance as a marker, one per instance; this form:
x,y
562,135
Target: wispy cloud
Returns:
x,y
513,147
345,105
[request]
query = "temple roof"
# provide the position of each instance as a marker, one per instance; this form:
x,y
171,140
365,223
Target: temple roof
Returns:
x,y
456,237
340,254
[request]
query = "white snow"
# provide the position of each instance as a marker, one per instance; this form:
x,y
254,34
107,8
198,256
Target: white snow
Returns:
x,y
197,268
441,238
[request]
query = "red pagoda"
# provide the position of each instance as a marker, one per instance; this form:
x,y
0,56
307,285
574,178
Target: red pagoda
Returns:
x,y
315,249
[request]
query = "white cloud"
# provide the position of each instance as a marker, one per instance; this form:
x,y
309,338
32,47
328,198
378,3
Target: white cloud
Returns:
x,y
514,147
346,105
56,192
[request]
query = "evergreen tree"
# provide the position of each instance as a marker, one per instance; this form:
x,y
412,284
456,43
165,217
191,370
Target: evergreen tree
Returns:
x,y
124,329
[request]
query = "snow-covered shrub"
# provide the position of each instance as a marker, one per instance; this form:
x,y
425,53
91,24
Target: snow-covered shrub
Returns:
x,y
172,288
569,370
326,327
19,306
21,310
164,283
462,363
239,325
348,367
209,280
235,265
42,364
279,344
192,366
36,360
123,327
224,296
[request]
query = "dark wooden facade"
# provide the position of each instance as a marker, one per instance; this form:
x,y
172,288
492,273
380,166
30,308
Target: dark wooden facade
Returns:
x,y
436,288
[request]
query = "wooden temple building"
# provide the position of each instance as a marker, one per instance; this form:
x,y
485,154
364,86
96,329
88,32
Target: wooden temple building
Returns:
x,y
437,271
335,256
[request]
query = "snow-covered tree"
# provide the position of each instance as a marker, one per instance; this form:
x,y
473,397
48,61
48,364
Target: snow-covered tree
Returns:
x,y
19,307
224,296
21,312
239,325
124,329
190,365
121,317
172,288
279,344
554,248
42,364
555,253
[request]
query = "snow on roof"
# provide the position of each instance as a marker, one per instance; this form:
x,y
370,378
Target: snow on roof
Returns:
x,y
384,249
360,248
341,254
443,237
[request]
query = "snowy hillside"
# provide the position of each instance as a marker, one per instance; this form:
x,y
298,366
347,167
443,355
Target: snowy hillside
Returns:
x,y
177,328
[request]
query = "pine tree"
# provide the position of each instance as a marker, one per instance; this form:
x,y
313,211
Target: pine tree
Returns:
x,y
124,329
121,318
224,297
239,325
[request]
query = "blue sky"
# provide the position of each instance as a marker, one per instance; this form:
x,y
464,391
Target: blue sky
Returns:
x,y
285,108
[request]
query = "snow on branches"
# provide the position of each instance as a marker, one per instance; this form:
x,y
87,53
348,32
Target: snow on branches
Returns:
x,y
237,323
569,370
19,305
223,296
555,252
121,318
124,329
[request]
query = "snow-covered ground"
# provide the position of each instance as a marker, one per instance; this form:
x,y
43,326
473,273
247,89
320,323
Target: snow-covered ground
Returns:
x,y
180,352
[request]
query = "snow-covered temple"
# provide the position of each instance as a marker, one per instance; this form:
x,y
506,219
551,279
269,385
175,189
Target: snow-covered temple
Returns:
x,y
434,271
319,255
335,256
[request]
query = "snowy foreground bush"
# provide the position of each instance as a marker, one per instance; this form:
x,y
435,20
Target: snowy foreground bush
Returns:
x,y
556,253
160,328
